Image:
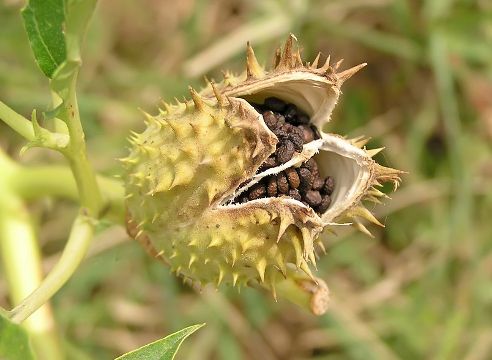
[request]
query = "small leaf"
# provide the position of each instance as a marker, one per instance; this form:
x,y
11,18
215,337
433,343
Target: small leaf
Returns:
x,y
53,113
164,349
44,21
45,138
63,80
14,342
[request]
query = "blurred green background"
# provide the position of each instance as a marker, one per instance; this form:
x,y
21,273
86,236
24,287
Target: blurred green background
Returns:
x,y
420,289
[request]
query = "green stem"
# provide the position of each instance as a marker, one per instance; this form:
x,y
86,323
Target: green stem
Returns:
x,y
78,242
17,122
35,182
90,196
89,193
28,183
49,180
55,180
22,263
23,269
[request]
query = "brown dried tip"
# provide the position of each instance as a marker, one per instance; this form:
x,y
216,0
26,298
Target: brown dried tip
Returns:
x,y
287,60
347,74
253,69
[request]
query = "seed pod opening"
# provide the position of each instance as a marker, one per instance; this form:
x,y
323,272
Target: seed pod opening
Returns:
x,y
236,184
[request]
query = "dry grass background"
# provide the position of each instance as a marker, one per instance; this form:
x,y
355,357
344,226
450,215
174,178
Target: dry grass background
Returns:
x,y
420,289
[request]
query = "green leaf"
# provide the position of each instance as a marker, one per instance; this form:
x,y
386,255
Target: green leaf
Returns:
x,y
44,21
14,342
164,349
78,17
56,30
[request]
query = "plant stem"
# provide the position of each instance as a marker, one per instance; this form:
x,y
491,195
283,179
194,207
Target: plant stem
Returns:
x,y
23,265
75,249
50,180
89,192
20,255
88,188
17,122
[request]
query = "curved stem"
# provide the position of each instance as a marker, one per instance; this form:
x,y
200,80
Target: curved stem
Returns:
x,y
75,249
17,122
22,264
28,183
52,180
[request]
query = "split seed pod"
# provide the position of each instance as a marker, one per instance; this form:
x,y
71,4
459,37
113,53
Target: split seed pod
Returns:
x,y
205,180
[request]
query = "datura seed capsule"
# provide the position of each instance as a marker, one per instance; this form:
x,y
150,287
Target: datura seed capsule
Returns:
x,y
236,184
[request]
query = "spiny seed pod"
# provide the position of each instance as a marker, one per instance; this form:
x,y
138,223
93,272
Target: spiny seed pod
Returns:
x,y
236,184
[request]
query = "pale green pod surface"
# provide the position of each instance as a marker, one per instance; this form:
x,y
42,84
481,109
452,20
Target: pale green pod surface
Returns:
x,y
188,168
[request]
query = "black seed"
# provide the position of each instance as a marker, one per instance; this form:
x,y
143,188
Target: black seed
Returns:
x,y
271,161
296,135
257,191
318,183
300,119
297,131
275,104
298,143
292,177
303,119
280,119
304,184
272,186
282,183
312,197
312,165
243,199
317,135
285,151
309,164
294,193
276,123
329,185
280,133
325,204
306,179
290,113
307,132
270,119
258,107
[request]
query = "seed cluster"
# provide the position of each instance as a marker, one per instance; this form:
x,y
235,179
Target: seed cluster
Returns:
x,y
303,183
